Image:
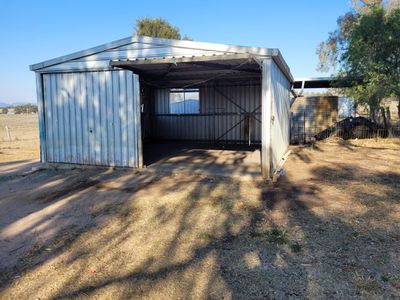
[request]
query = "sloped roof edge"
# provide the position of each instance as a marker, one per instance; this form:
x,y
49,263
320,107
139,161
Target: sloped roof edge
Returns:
x,y
257,51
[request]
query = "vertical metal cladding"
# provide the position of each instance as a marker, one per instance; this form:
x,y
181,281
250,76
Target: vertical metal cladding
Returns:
x,y
228,113
42,130
312,115
92,118
280,124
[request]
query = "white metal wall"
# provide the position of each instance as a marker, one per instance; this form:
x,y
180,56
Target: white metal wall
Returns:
x,y
221,108
92,118
275,131
280,125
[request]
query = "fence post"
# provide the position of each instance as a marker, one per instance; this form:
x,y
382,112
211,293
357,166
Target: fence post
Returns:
x,y
8,133
291,128
304,127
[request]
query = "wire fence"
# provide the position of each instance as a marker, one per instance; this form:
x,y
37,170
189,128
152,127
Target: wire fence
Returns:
x,y
349,128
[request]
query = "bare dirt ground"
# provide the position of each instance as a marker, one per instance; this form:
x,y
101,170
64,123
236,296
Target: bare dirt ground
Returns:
x,y
24,144
328,229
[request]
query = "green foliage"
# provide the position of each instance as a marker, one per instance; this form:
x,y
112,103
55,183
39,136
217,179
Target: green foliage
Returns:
x,y
158,27
365,52
4,110
330,50
278,235
204,235
25,109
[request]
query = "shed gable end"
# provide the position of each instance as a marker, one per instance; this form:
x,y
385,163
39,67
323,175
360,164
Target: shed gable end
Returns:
x,y
136,50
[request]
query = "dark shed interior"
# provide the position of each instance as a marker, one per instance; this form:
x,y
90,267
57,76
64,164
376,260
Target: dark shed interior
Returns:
x,y
195,105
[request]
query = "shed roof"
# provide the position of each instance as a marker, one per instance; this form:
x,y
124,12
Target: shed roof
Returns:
x,y
193,70
319,82
257,52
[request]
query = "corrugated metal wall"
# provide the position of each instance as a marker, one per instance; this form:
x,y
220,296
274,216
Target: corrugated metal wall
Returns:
x,y
93,118
136,50
226,112
311,115
280,125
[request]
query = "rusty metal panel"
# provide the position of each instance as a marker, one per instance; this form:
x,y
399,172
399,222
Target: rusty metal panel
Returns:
x,y
92,118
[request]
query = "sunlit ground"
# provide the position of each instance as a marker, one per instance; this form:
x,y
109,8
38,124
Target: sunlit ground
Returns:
x,y
329,228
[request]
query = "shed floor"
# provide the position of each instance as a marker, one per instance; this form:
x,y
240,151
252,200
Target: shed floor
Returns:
x,y
213,160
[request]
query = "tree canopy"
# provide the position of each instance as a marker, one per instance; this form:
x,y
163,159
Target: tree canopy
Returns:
x,y
25,109
365,51
158,27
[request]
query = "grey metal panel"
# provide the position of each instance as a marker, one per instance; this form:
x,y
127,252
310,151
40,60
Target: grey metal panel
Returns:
x,y
130,120
41,114
74,66
85,124
150,52
48,116
65,104
60,118
124,120
138,121
266,99
72,116
280,126
56,143
117,121
97,58
221,108
110,119
156,42
136,46
76,86
103,118
90,118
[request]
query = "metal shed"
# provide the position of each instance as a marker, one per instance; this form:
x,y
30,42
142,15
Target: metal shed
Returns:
x,y
99,105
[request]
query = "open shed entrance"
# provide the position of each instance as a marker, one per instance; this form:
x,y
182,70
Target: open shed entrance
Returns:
x,y
203,158
201,114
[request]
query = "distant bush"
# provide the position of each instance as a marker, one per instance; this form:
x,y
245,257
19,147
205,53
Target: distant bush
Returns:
x,y
4,110
25,109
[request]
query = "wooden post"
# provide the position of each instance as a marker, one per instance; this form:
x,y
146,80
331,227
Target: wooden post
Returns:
x,y
8,133
304,127
291,128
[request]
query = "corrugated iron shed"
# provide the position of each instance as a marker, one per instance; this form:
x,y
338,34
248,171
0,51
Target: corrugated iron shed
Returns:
x,y
91,102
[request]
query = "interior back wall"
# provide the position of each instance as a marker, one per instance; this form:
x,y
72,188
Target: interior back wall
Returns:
x,y
228,113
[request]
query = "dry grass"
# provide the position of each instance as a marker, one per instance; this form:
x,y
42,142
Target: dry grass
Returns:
x,y
24,144
328,229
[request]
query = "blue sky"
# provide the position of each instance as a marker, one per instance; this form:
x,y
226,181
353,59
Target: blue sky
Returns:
x,y
33,31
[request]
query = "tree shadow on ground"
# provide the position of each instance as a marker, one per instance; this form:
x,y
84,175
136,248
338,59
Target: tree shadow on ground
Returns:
x,y
17,168
147,234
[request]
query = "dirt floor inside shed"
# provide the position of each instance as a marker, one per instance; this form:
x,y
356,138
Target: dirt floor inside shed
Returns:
x,y
330,228
238,161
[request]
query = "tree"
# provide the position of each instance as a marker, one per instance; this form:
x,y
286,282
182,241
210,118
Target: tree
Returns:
x,y
365,52
4,110
25,109
158,27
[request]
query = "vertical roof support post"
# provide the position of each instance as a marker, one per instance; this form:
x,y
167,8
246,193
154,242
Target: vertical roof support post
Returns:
x,y
138,118
266,113
41,116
